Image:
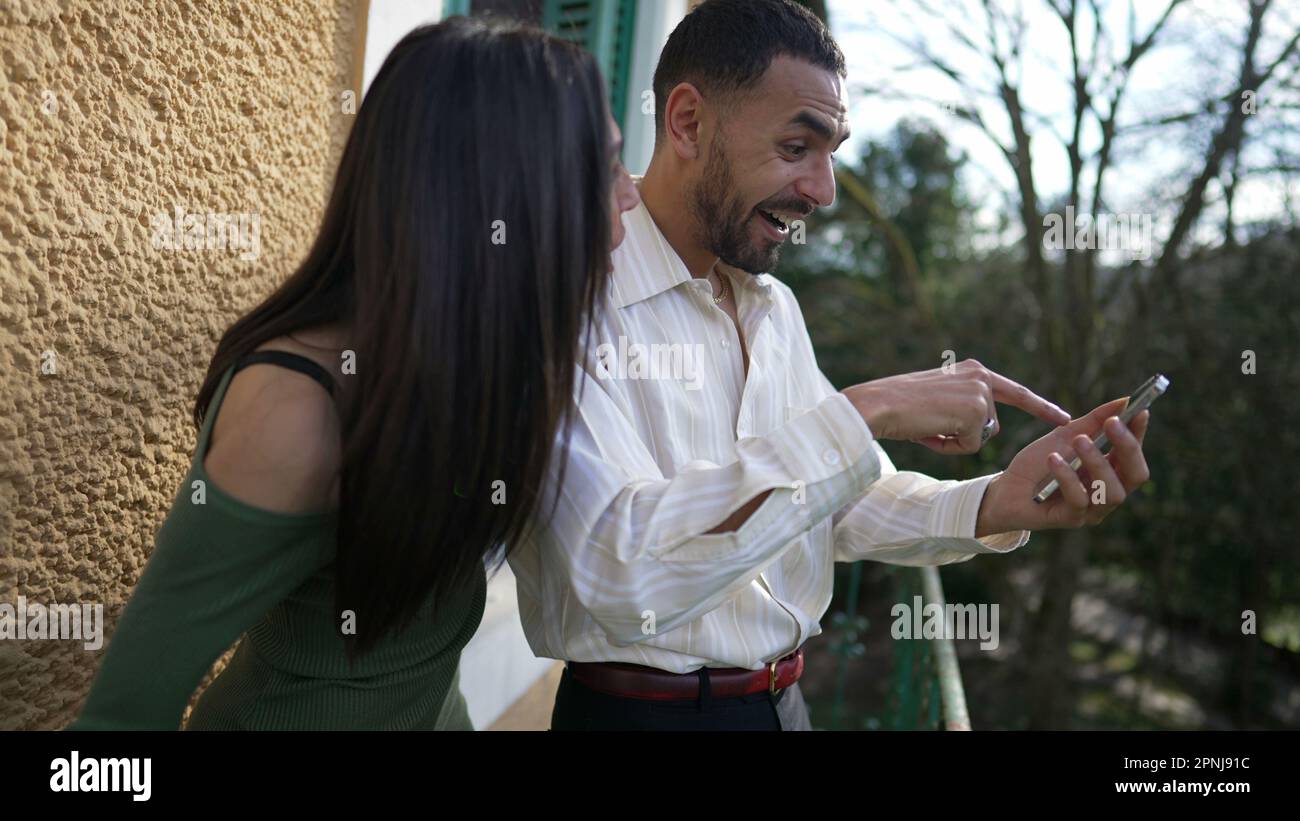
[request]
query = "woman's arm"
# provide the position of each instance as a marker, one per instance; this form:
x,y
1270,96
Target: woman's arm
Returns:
x,y
249,525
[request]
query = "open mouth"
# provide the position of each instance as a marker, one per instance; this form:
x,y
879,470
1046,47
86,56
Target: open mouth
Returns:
x,y
774,220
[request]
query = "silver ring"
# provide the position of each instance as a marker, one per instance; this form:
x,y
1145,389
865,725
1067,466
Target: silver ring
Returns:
x,y
987,431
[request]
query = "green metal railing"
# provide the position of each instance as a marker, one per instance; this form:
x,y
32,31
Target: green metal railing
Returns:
x,y
926,691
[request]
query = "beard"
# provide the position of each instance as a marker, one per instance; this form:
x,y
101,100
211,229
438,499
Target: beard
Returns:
x,y
723,220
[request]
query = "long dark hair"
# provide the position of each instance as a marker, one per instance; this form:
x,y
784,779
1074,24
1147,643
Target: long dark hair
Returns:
x,y
463,246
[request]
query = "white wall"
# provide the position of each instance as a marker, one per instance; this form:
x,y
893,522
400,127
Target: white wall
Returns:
x,y
388,22
655,20
497,666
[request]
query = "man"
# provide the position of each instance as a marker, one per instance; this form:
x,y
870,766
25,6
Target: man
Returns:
x,y
691,550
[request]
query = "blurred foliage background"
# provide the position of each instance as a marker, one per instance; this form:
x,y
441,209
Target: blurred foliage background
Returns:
x,y
1141,622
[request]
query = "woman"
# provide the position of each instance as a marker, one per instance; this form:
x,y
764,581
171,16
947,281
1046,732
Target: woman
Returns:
x,y
379,428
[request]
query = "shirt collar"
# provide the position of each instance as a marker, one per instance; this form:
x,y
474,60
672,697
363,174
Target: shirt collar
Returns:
x,y
645,264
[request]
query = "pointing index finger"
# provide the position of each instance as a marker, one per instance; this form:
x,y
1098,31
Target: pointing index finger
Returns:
x,y
1009,392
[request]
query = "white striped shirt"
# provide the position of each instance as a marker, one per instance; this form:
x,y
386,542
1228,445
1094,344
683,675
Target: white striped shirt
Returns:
x,y
668,441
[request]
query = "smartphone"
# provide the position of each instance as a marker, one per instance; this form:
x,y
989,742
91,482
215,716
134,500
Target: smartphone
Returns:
x,y
1138,401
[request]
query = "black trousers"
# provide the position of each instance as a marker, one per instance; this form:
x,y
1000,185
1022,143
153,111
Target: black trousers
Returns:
x,y
578,707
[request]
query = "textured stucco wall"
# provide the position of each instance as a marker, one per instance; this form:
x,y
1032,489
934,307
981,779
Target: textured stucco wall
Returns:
x,y
112,112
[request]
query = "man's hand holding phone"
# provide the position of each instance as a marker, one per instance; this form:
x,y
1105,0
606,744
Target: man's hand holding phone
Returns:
x,y
954,411
1009,505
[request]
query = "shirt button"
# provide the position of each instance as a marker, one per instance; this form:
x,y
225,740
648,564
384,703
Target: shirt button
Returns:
x,y
831,457
726,344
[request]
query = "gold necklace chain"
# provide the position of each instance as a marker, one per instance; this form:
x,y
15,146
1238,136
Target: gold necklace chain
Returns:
x,y
722,297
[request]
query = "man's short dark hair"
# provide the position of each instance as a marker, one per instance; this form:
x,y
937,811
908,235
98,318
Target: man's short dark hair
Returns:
x,y
725,46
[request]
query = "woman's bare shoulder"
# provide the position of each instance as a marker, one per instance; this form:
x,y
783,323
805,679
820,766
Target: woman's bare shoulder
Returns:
x,y
276,441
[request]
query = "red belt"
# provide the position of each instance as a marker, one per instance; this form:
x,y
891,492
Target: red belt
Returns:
x,y
636,681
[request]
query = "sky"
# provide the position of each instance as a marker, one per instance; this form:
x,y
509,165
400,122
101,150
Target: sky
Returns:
x,y
886,84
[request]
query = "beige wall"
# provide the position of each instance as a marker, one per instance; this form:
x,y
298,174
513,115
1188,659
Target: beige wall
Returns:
x,y
111,112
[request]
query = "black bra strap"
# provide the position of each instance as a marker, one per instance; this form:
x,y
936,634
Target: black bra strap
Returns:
x,y
292,361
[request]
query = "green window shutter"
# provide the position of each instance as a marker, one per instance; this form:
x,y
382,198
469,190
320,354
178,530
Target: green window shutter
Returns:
x,y
453,8
606,28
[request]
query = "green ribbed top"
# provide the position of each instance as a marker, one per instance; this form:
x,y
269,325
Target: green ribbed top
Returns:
x,y
223,569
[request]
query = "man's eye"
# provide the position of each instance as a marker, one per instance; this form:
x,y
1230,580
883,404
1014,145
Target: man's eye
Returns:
x,y
796,150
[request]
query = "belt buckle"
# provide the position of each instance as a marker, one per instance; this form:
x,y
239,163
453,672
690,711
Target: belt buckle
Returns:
x,y
771,678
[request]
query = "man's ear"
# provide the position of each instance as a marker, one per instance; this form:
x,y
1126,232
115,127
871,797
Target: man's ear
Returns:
x,y
683,112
